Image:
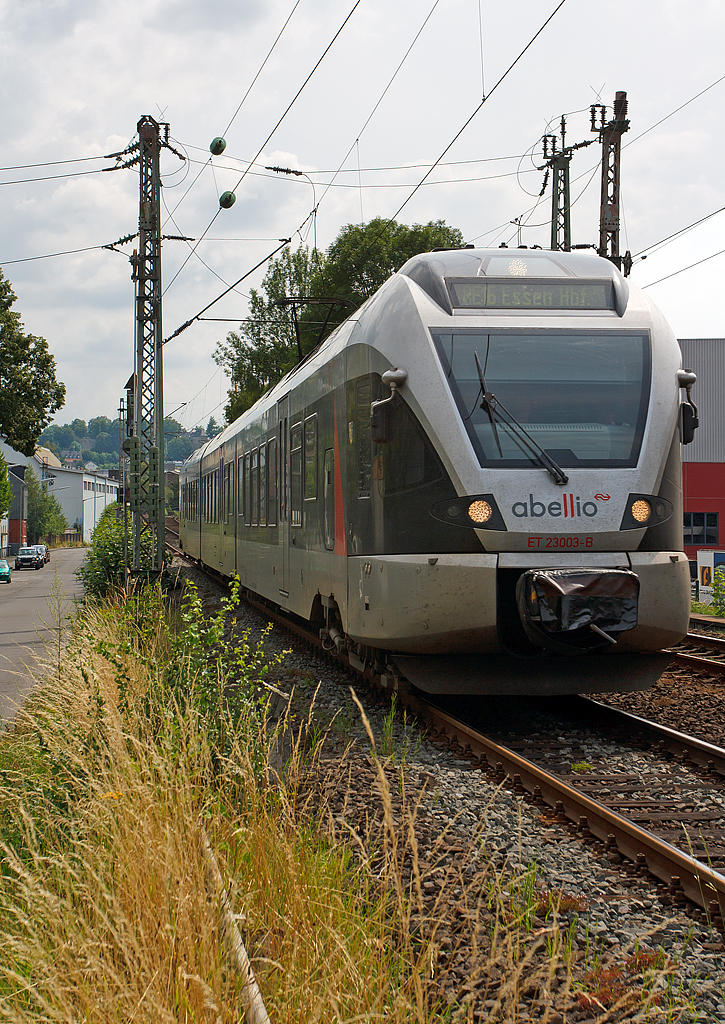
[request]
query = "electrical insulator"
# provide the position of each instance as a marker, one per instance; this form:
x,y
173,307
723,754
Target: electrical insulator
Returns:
x,y
226,200
132,447
218,145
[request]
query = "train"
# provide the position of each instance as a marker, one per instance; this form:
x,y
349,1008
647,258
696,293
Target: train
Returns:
x,y
473,485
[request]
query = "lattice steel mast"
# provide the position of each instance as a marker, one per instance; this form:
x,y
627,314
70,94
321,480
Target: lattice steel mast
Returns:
x,y
558,159
146,443
610,136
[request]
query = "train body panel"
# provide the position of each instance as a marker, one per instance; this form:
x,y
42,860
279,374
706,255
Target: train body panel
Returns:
x,y
484,461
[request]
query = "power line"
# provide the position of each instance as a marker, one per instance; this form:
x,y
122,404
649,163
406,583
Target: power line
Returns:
x,y
479,106
677,234
52,163
682,271
259,151
53,177
188,323
299,91
50,255
261,68
675,111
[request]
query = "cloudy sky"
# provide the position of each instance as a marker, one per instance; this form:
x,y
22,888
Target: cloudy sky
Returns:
x,y
76,76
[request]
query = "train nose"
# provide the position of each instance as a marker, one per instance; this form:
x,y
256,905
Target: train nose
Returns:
x,y
575,611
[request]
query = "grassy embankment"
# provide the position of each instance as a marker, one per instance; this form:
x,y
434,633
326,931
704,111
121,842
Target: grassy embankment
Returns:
x,y
149,730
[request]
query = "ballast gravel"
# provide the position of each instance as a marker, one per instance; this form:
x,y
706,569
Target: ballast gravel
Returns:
x,y
464,817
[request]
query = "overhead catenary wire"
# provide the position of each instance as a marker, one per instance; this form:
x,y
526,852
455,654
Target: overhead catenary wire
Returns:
x,y
261,263
262,66
478,108
682,270
676,234
261,148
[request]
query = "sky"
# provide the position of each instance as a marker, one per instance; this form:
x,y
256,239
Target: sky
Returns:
x,y
385,89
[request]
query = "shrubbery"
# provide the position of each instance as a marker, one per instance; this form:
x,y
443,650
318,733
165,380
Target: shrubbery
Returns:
x,y
104,566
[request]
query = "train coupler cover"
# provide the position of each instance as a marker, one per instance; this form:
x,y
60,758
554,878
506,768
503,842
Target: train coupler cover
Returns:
x,y
574,611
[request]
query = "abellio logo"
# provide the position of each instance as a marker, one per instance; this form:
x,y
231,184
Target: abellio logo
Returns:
x,y
570,507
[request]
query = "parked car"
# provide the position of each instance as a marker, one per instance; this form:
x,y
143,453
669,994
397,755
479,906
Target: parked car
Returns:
x,y
44,550
28,558
6,573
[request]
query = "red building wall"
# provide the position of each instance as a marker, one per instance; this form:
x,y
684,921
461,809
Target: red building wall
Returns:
x,y
704,491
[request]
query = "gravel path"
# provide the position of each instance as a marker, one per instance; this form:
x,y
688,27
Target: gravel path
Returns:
x,y
475,838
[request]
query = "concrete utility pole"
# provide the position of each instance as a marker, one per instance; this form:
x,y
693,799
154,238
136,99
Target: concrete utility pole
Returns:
x,y
145,445
610,136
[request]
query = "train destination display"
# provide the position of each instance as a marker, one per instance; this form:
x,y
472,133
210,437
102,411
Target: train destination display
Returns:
x,y
480,293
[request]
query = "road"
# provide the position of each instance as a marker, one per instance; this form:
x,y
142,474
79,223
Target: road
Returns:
x,y
26,619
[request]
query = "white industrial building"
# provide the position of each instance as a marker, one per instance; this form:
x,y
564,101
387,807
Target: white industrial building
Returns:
x,y
82,495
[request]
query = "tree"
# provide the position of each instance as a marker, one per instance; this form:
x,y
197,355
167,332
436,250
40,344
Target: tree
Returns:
x,y
99,425
213,428
79,428
45,516
358,262
6,490
29,391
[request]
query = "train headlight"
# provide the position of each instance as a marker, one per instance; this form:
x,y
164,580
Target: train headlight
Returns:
x,y
641,510
476,511
480,511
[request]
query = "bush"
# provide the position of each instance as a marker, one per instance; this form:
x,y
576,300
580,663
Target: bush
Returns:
x,y
104,567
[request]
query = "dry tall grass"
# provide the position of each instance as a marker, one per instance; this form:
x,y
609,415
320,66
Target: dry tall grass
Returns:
x,y
107,780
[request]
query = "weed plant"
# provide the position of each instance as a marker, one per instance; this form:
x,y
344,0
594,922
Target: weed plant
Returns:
x,y
150,731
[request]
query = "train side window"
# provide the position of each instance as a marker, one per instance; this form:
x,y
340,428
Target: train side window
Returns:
x,y
216,496
228,491
363,440
247,492
262,485
311,458
296,474
272,482
254,481
240,486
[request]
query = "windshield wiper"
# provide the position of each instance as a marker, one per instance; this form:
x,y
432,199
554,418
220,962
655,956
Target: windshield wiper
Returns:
x,y
497,410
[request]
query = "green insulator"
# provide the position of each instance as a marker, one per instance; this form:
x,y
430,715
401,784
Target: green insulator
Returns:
x,y
227,199
218,145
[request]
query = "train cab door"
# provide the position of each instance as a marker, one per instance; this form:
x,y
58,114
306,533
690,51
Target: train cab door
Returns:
x,y
283,491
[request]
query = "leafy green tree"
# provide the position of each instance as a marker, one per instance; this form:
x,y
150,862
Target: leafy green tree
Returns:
x,y
45,516
6,490
79,428
29,391
213,428
179,448
359,261
98,425
265,347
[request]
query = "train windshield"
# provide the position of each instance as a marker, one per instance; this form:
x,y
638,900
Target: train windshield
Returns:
x,y
581,397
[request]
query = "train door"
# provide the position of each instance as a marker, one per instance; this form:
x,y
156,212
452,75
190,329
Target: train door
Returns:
x,y
284,518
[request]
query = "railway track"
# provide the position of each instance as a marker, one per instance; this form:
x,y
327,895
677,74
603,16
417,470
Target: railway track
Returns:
x,y
666,820
701,652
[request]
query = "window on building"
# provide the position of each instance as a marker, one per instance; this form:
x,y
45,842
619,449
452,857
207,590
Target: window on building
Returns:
x,y
700,529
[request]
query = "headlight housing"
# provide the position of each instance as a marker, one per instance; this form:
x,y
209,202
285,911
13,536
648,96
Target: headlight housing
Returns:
x,y
643,510
475,511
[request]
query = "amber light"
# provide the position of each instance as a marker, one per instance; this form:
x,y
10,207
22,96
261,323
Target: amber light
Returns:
x,y
641,511
480,511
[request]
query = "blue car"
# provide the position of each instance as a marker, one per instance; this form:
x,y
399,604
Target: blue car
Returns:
x,y
6,573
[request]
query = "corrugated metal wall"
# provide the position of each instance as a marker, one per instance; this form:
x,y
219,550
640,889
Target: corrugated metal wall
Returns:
x,y
706,356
